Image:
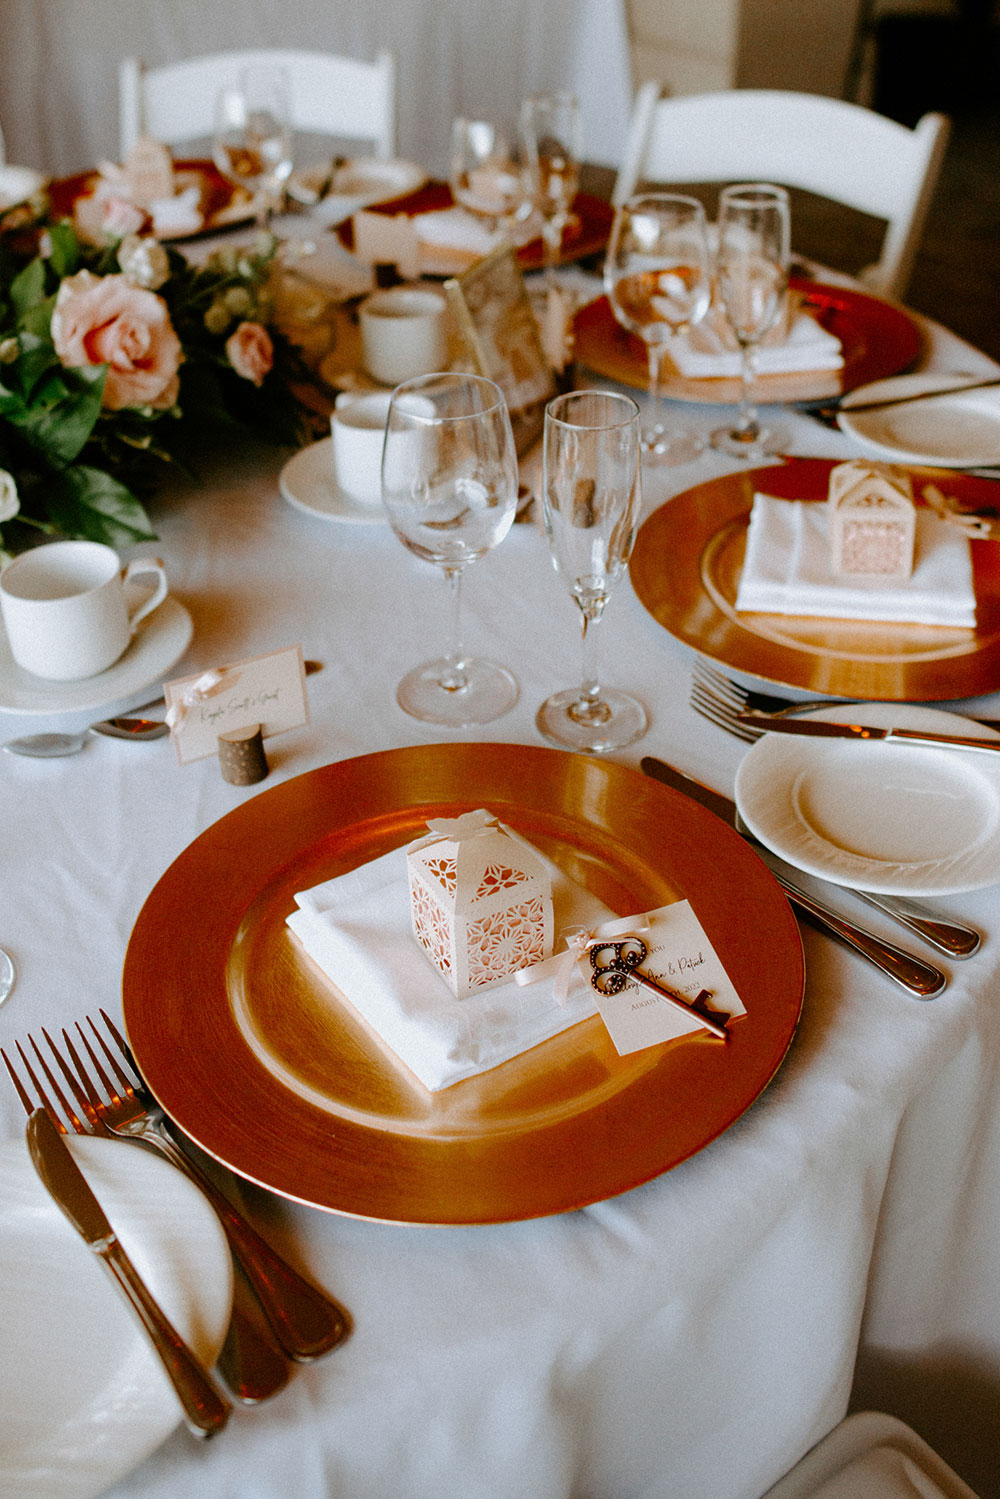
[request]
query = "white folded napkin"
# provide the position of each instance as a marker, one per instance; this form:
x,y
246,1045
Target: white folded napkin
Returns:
x,y
454,229
357,929
179,214
787,571
709,349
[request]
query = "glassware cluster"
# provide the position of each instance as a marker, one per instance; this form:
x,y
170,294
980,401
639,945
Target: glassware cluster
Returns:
x,y
252,144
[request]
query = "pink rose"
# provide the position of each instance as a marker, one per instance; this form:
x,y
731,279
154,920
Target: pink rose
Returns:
x,y
107,320
251,352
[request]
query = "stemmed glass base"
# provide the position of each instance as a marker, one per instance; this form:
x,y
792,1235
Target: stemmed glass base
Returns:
x,y
662,446
457,698
750,442
610,723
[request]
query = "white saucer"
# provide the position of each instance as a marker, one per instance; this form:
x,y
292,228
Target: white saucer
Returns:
x,y
899,819
84,1398
952,430
159,642
307,482
357,184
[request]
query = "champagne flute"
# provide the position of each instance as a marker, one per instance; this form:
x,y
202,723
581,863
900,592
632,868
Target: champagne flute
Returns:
x,y
551,135
658,281
449,484
484,176
252,145
591,499
751,273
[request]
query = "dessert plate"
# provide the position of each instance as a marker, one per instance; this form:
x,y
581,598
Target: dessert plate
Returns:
x,y
257,1058
307,481
957,430
894,818
84,1397
358,183
160,641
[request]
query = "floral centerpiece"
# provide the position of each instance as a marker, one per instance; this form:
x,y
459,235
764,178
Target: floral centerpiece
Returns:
x,y
113,359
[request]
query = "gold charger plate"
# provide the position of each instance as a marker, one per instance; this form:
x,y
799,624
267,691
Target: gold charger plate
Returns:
x,y
249,1049
877,339
686,569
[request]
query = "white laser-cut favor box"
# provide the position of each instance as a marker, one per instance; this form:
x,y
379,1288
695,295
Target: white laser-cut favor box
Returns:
x,y
480,901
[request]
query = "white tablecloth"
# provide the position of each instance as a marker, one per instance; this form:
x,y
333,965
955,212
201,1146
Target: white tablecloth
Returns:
x,y
59,63
688,1340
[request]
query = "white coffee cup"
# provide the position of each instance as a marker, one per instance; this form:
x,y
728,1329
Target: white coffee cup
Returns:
x,y
65,609
403,333
357,426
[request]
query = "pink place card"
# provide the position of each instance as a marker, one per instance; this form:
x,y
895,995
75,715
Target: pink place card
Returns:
x,y
267,690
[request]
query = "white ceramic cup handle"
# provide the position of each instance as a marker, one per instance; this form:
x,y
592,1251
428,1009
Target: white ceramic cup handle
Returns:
x,y
135,569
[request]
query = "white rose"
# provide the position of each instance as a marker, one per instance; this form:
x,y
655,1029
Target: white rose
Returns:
x,y
144,261
9,502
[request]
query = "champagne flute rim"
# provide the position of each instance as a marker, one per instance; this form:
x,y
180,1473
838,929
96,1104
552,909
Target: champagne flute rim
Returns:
x,y
629,408
420,384
754,193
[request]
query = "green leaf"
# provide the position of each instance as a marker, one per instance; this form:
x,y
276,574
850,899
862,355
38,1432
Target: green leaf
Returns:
x,y
37,320
58,428
36,359
28,287
88,502
65,257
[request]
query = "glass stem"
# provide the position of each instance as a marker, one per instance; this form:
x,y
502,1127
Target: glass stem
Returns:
x,y
746,421
654,356
454,677
588,707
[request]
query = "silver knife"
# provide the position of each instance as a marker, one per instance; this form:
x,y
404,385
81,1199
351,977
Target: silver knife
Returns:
x,y
206,1409
820,728
919,978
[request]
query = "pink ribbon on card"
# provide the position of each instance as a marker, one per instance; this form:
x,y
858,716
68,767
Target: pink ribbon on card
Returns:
x,y
209,684
579,940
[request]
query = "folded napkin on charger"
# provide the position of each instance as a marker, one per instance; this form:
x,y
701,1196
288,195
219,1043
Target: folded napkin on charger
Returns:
x,y
787,570
357,929
709,349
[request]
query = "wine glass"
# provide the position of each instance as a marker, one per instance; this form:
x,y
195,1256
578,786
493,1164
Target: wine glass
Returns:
x,y
751,277
591,499
551,135
658,281
252,145
484,177
449,484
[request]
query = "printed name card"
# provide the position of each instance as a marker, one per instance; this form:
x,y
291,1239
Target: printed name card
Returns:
x,y
266,690
680,957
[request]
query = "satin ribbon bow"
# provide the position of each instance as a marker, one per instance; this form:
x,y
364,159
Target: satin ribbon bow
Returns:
x,y
579,940
209,684
469,825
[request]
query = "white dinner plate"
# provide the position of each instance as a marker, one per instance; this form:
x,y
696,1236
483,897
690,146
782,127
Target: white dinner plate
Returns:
x,y
160,641
954,430
357,184
307,482
896,818
83,1396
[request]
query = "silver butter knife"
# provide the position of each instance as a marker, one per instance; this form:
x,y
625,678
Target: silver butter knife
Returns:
x,y
822,728
918,978
206,1409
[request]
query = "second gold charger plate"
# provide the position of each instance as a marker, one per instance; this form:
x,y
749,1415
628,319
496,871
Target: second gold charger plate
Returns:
x,y
252,1053
877,339
686,569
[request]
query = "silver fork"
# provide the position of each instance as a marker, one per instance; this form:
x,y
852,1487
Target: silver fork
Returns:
x,y
721,701
253,1367
306,1321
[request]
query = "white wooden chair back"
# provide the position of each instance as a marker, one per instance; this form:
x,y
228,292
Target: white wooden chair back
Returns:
x,y
337,96
838,150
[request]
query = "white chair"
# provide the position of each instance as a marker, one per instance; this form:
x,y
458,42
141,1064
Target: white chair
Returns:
x,y
840,151
337,96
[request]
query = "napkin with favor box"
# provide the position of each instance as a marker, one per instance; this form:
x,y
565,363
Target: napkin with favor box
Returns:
x,y
788,570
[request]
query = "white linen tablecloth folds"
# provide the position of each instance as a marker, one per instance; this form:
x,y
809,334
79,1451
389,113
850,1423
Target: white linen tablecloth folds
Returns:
x,y
787,571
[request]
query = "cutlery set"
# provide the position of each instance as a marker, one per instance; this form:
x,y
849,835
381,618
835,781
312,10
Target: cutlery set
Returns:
x,y
747,714
303,1323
